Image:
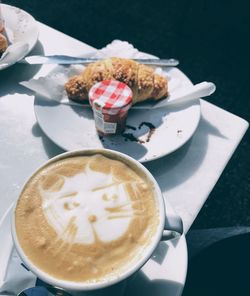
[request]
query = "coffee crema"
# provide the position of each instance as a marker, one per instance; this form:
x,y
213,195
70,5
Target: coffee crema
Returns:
x,y
86,218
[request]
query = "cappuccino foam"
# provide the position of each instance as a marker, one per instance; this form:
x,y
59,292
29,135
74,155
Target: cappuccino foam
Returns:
x,y
85,218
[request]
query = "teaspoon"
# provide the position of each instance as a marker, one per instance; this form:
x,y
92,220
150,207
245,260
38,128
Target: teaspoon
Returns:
x,y
44,291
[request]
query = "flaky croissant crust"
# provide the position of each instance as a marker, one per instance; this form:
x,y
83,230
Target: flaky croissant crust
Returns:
x,y
143,81
3,43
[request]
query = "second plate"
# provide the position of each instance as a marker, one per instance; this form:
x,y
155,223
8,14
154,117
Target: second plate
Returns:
x,y
73,127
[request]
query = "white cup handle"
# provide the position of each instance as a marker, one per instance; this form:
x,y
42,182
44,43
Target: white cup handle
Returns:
x,y
173,226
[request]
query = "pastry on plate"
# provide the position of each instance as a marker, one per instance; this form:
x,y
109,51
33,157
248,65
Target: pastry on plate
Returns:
x,y
143,80
3,44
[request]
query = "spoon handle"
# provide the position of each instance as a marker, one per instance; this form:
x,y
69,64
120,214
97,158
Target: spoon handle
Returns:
x,y
68,60
199,90
44,291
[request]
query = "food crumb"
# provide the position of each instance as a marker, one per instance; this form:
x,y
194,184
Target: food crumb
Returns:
x,y
92,218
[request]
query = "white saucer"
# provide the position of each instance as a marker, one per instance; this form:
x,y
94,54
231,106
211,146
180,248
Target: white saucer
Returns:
x,y
22,31
73,127
164,274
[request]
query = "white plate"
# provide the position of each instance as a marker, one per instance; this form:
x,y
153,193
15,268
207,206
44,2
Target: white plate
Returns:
x,y
164,274
21,29
73,127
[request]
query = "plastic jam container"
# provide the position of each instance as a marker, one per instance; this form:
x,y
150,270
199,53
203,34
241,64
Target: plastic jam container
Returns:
x,y
110,101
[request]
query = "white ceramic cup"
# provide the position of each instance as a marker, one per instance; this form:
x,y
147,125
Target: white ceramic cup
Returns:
x,y
168,227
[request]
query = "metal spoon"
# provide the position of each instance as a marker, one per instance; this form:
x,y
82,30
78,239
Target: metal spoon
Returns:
x,y
44,291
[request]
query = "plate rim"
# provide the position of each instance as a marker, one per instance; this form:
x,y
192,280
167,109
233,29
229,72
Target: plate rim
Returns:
x,y
32,42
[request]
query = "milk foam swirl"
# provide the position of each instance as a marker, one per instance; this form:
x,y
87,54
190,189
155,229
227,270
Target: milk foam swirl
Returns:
x,y
89,206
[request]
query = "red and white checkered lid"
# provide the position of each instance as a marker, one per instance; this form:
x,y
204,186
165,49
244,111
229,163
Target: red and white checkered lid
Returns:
x,y
110,94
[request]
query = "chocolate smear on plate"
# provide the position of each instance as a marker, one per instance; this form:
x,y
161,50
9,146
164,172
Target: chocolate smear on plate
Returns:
x,y
131,127
151,129
148,124
132,138
179,132
101,138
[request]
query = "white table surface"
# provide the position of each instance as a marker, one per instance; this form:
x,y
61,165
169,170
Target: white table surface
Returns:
x,y
186,177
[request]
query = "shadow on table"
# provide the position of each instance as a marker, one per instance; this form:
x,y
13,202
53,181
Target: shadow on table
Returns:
x,y
221,269
50,148
140,284
17,73
176,168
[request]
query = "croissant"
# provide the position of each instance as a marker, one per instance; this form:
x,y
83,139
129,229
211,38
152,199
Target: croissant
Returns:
x,y
3,43
145,84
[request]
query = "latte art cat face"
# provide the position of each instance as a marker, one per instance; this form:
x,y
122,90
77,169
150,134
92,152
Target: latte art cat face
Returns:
x,y
89,206
86,218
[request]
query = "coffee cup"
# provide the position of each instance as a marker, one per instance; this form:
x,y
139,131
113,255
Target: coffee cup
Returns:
x,y
88,219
